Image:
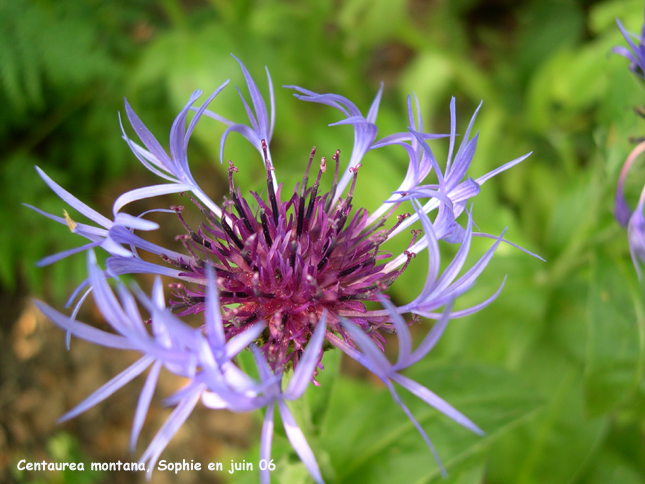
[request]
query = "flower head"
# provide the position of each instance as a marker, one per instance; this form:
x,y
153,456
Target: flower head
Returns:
x,y
632,220
279,274
636,52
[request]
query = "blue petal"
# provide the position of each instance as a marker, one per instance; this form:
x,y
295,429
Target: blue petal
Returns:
x,y
109,388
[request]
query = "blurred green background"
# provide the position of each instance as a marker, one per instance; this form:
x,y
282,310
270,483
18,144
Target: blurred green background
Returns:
x,y
552,370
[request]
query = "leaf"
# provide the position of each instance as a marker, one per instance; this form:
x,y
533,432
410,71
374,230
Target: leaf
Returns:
x,y
319,396
556,446
371,440
611,467
372,21
614,353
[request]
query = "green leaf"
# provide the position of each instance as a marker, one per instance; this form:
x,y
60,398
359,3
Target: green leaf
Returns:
x,y
557,445
611,467
371,439
319,396
371,21
614,353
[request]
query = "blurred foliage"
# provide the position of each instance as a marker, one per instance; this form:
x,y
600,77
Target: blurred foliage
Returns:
x,y
553,370
61,448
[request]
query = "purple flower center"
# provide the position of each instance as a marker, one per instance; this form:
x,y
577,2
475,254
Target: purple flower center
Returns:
x,y
289,262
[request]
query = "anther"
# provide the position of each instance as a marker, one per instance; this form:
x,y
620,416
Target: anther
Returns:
x,y
305,179
332,192
314,189
234,238
348,271
330,246
301,215
294,249
270,188
350,195
231,294
236,200
231,169
175,262
265,228
198,239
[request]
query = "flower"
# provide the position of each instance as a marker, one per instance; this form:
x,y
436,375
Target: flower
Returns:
x,y
632,220
637,54
279,274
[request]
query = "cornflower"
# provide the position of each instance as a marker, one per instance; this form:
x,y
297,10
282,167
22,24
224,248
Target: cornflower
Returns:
x,y
636,52
632,220
279,275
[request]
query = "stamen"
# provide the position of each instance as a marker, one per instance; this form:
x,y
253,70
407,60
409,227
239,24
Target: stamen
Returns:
x,y
241,212
231,234
193,235
363,294
369,261
301,197
415,234
294,248
381,237
394,275
175,262
350,195
314,189
332,245
332,192
231,169
265,228
198,239
305,179
236,200
175,308
231,294
347,272
207,213
271,190
178,210
301,215
344,210
184,238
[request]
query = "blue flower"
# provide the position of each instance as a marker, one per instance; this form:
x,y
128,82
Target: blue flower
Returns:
x,y
633,220
636,55
280,279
